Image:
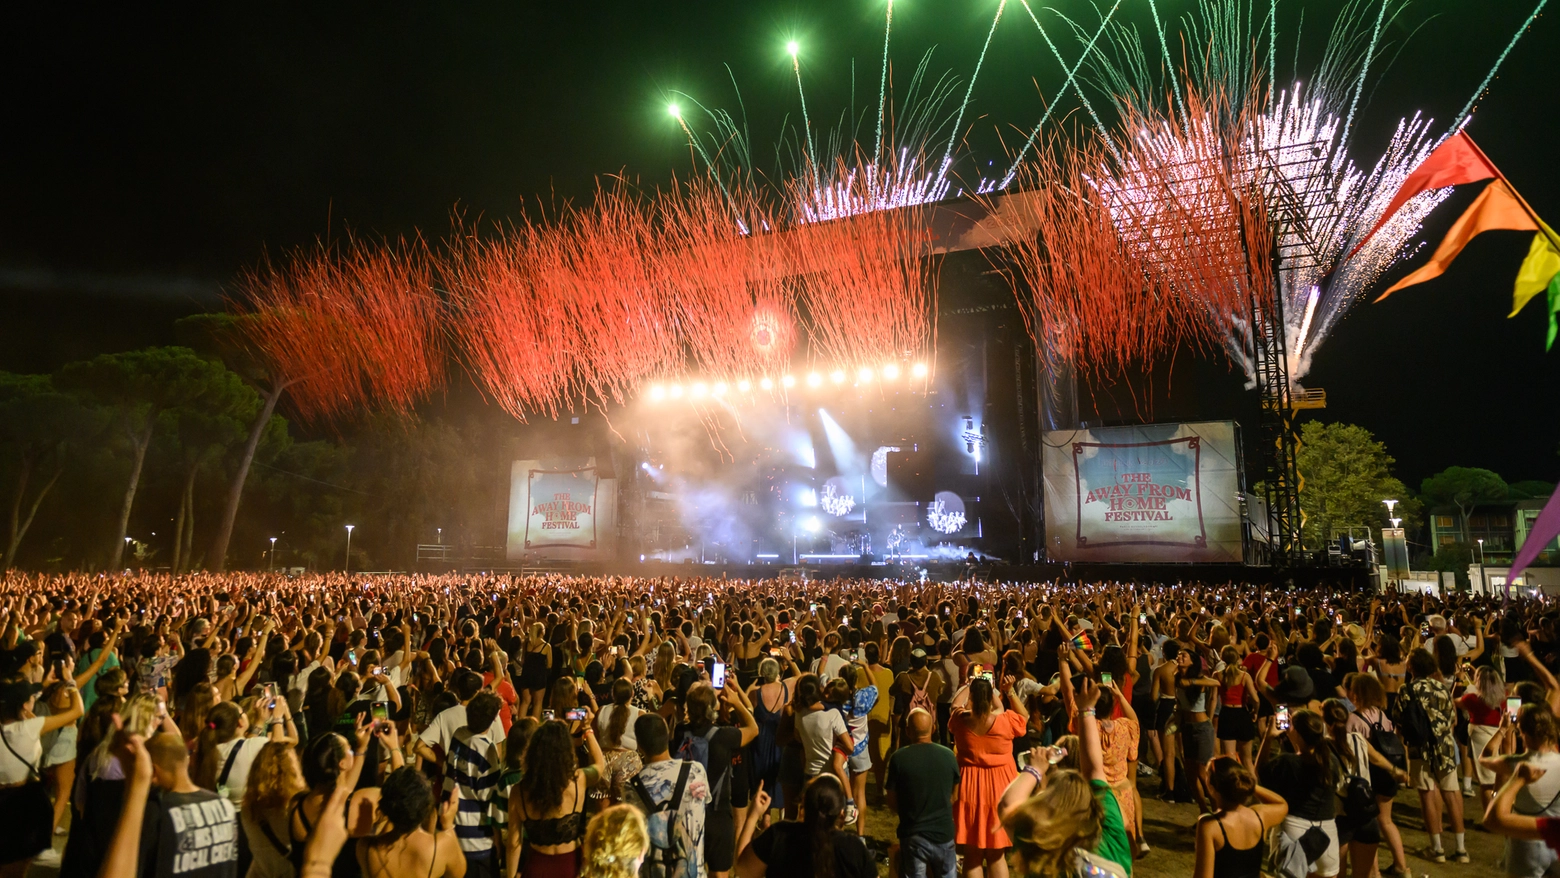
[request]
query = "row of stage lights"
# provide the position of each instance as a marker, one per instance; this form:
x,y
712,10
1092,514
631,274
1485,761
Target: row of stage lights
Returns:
x,y
719,389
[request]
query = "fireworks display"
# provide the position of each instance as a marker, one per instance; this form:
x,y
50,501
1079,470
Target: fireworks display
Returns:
x,y
1198,184
353,326
589,307
1216,186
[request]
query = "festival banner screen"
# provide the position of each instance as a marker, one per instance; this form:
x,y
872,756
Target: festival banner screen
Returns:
x,y
1159,493
559,510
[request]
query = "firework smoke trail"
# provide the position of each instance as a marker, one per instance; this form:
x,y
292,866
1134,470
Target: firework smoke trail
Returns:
x,y
1087,105
959,119
796,65
1273,46
676,113
888,25
1359,87
1462,117
1071,74
1164,48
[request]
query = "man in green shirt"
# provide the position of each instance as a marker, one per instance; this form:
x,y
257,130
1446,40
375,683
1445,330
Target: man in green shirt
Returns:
x,y
923,782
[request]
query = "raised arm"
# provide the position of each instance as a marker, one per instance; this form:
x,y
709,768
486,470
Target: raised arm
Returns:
x,y
97,665
1499,817
1091,762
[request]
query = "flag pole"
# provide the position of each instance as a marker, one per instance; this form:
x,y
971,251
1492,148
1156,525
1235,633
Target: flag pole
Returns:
x,y
1543,229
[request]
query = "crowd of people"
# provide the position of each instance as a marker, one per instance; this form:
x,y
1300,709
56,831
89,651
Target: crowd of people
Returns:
x,y
444,726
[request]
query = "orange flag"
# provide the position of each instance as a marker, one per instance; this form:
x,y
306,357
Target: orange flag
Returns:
x,y
1497,207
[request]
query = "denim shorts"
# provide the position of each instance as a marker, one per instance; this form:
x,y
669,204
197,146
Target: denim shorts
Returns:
x,y
919,858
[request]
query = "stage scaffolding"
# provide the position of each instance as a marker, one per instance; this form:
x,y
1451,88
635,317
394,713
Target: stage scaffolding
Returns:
x,y
1290,188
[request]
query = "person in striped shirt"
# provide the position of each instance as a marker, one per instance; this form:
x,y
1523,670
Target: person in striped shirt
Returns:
x,y
473,766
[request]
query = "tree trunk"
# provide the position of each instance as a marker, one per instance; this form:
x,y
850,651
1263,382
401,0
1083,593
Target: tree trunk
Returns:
x,y
16,509
189,520
219,546
139,444
32,512
178,520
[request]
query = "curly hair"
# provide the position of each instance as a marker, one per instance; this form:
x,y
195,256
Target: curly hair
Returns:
x,y
274,778
406,800
616,841
549,766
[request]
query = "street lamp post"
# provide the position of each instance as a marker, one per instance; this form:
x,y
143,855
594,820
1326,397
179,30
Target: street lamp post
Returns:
x,y
349,549
1484,581
273,554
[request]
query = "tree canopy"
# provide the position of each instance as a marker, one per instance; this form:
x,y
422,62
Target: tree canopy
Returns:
x,y
1464,487
1347,474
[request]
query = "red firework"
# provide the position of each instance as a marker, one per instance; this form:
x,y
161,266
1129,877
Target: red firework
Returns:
x,y
352,326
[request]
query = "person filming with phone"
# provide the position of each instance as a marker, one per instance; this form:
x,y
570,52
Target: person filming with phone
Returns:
x,y
717,746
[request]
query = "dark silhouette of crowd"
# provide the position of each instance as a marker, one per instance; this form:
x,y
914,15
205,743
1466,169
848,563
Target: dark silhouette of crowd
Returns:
x,y
398,726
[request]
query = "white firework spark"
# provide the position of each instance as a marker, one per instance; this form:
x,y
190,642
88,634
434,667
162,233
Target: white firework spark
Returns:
x,y
866,189
1294,156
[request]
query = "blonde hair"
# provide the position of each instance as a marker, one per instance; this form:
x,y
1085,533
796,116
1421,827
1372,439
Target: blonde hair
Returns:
x,y
1232,669
616,841
138,715
1054,824
769,670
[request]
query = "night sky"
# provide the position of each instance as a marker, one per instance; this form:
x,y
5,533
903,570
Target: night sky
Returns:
x,y
150,154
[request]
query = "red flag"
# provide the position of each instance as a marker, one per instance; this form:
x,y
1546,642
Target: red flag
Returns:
x,y
1455,161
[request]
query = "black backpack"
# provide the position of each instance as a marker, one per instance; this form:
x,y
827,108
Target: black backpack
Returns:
x,y
1414,721
670,858
1389,745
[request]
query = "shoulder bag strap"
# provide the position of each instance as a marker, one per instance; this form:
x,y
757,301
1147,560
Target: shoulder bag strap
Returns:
x,y
677,792
227,767
31,766
270,835
644,793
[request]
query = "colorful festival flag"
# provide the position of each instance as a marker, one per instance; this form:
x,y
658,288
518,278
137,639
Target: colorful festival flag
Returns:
x,y
1542,263
1497,207
1455,161
1541,270
1554,311
1546,528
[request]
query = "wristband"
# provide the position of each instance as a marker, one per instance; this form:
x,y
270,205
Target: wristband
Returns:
x,y
1034,773
1088,711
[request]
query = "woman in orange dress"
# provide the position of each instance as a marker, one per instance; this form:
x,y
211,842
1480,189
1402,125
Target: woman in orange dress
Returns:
x,y
983,736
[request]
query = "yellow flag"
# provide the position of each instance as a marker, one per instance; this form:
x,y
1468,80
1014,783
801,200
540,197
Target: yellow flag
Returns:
x,y
1542,264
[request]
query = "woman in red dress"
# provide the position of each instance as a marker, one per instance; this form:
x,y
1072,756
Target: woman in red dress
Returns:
x,y
983,736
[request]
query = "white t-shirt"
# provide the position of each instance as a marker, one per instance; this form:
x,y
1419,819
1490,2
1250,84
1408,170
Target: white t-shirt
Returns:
x,y
818,731
300,680
829,666
238,777
948,669
23,737
394,669
604,719
451,720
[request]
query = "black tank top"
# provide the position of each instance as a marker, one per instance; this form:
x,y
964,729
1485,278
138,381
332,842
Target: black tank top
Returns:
x,y
1228,862
346,864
